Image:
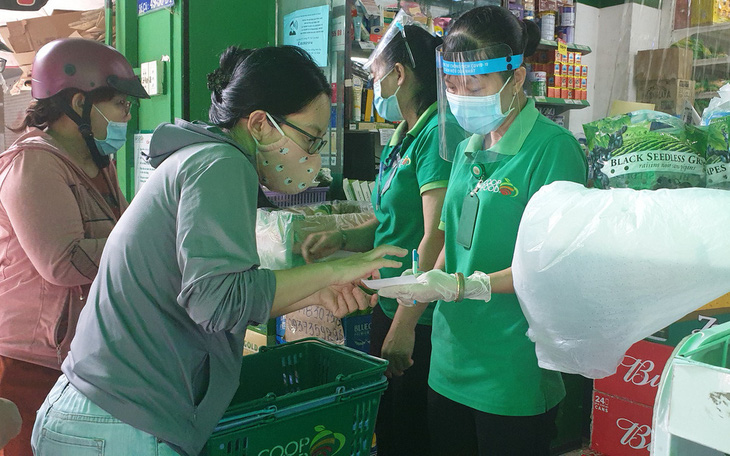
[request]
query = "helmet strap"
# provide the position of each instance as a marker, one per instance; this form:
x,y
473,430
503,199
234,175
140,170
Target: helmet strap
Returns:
x,y
84,123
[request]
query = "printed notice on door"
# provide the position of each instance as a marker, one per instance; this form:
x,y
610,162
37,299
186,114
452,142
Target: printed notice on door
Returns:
x,y
309,29
142,169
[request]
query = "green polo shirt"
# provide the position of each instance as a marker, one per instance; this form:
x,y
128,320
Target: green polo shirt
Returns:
x,y
481,355
400,213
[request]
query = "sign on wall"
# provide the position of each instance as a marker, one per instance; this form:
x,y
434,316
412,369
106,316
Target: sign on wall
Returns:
x,y
146,6
142,169
309,29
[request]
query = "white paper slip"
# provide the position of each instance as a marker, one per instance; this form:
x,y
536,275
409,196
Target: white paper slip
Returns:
x,y
382,283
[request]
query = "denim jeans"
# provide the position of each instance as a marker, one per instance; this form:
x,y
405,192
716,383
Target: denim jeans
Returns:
x,y
69,424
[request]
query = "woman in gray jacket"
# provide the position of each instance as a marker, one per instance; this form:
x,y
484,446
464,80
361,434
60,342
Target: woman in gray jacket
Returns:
x,y
157,355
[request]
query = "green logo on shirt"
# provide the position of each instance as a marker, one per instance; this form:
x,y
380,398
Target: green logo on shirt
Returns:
x,y
508,189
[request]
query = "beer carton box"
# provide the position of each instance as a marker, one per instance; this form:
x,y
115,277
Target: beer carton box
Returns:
x,y
667,64
638,375
565,93
254,340
620,427
690,324
668,95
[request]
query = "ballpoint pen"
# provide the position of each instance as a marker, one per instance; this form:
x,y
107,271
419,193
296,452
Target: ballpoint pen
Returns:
x,y
415,266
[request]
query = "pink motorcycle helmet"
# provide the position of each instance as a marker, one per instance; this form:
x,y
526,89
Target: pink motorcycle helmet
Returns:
x,y
82,64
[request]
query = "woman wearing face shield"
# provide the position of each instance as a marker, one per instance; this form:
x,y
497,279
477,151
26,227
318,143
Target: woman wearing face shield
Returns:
x,y
59,200
157,356
407,201
488,396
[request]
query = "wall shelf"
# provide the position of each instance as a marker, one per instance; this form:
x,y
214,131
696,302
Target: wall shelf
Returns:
x,y
561,102
718,68
717,35
705,95
571,46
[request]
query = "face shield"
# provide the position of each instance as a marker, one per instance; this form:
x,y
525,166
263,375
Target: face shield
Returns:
x,y
474,100
396,27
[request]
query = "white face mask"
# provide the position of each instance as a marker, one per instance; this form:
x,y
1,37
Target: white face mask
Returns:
x,y
482,114
284,166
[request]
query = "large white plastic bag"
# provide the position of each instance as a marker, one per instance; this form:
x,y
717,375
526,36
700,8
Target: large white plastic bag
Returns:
x,y
597,270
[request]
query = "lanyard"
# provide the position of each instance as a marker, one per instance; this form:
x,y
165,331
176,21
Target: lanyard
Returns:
x,y
386,165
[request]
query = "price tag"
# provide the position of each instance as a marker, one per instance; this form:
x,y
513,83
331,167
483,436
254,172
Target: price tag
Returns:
x,y
562,48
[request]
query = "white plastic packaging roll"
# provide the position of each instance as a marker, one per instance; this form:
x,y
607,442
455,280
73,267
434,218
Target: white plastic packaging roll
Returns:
x,y
597,270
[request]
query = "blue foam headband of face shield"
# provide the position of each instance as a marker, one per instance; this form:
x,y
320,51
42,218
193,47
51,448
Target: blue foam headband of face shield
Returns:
x,y
480,66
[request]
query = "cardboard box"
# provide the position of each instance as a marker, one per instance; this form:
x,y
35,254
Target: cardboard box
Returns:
x,y
663,64
668,95
357,331
696,321
620,427
254,340
578,58
638,375
571,82
723,302
564,93
584,71
571,58
314,321
553,92
29,35
564,81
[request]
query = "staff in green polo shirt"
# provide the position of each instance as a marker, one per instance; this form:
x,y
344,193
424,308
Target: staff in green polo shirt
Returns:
x,y
488,396
407,200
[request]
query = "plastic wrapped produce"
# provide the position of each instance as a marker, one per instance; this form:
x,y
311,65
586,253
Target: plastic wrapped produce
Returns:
x,y
717,166
280,232
645,150
279,236
719,106
597,270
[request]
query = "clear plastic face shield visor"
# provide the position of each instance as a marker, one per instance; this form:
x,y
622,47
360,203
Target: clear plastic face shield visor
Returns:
x,y
395,28
476,95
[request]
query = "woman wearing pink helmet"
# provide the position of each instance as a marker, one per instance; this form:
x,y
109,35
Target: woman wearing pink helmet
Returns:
x,y
59,200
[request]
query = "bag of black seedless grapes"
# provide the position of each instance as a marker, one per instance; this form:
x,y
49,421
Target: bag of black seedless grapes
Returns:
x,y
645,150
717,166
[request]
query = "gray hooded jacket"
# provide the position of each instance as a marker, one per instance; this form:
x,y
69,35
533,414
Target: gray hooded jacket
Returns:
x,y
160,340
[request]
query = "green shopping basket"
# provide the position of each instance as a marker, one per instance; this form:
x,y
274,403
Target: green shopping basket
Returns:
x,y
307,397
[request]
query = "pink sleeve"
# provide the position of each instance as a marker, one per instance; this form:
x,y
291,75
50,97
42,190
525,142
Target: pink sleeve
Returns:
x,y
46,219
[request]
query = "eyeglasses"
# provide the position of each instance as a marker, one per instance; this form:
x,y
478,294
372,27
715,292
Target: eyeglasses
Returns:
x,y
126,105
317,143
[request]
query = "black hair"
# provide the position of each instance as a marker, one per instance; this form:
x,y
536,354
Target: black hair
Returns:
x,y
423,47
279,80
42,113
489,25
